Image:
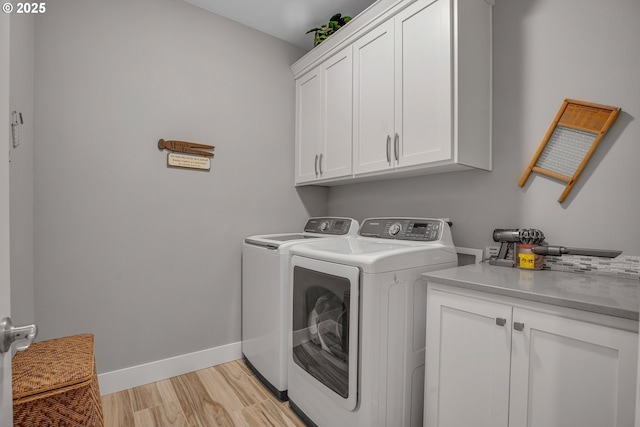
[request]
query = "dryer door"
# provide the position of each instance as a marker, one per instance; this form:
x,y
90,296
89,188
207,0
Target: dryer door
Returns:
x,y
325,326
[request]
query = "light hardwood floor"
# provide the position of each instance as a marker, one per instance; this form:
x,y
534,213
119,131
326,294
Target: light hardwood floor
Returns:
x,y
223,395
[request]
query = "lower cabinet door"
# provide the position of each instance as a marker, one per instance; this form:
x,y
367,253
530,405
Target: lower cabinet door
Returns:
x,y
467,362
566,372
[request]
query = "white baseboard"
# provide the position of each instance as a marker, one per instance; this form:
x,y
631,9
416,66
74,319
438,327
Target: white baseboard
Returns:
x,y
111,382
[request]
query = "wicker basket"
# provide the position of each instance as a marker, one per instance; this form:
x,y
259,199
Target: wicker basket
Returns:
x,y
55,384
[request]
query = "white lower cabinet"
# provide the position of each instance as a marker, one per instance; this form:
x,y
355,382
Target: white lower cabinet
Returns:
x,y
494,361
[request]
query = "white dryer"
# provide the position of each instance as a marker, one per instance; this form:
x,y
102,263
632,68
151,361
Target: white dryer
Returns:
x,y
265,296
356,349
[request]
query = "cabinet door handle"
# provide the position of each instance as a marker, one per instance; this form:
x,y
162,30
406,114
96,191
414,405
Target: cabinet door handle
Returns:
x,y
389,149
320,164
500,321
316,165
518,326
396,146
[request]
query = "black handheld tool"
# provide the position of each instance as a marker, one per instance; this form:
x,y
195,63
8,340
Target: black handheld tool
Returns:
x,y
561,250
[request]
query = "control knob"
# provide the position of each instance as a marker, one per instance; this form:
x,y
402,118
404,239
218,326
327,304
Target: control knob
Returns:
x,y
395,228
324,225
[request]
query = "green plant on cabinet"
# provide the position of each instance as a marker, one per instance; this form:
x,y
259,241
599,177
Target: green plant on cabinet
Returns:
x,y
324,31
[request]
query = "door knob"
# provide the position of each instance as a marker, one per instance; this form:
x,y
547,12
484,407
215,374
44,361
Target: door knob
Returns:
x,y
10,334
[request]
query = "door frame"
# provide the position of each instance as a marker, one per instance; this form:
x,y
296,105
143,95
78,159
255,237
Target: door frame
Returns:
x,y
6,399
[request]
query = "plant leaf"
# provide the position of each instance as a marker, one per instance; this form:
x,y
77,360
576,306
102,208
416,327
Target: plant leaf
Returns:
x,y
325,30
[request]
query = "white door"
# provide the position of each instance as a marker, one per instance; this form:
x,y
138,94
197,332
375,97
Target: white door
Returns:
x,y
423,83
373,100
337,100
25,335
467,361
6,401
566,372
308,125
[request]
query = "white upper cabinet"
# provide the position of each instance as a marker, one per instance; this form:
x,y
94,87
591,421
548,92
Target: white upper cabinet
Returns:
x,y
337,111
402,90
323,120
308,125
421,93
373,94
423,88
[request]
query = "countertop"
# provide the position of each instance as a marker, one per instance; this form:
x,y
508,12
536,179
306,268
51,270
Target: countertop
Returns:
x,y
599,294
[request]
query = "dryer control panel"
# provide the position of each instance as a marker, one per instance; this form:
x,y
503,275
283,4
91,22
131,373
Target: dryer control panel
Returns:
x,y
330,225
420,229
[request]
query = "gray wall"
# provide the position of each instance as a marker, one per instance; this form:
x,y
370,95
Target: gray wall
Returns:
x,y
145,257
544,51
21,169
148,258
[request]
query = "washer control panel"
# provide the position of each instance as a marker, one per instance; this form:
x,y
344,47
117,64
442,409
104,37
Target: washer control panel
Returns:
x,y
420,229
329,225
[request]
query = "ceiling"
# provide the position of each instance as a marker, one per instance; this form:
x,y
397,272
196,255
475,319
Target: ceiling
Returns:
x,y
285,19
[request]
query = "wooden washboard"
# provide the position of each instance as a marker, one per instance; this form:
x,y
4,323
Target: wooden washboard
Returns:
x,y
570,142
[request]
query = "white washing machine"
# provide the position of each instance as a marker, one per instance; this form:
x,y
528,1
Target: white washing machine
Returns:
x,y
356,351
265,297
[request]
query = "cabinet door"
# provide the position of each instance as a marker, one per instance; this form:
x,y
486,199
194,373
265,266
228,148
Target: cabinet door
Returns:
x,y
373,100
567,372
424,83
308,125
467,362
337,132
